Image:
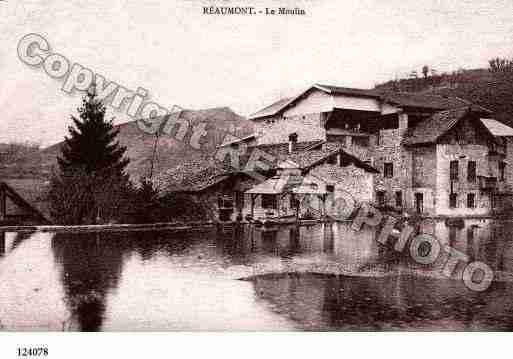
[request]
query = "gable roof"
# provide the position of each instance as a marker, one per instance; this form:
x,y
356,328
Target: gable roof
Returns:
x,y
236,139
312,157
281,150
404,99
423,101
348,91
497,128
200,175
428,101
432,128
273,108
282,104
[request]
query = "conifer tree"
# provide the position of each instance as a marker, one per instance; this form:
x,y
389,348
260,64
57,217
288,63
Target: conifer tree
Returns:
x,y
91,183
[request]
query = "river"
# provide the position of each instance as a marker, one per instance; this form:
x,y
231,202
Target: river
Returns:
x,y
319,277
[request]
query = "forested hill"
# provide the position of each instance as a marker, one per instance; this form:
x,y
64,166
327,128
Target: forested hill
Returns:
x,y
490,89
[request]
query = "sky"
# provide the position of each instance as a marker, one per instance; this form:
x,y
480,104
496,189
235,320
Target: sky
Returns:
x,y
185,58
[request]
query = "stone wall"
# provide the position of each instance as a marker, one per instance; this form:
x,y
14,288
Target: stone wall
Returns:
x,y
350,179
277,129
509,160
389,150
423,166
463,154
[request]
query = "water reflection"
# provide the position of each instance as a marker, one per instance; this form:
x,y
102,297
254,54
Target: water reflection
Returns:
x,y
188,281
331,302
2,243
91,267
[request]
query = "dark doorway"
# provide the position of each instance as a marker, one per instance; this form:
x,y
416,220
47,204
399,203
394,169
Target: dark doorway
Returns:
x,y
419,203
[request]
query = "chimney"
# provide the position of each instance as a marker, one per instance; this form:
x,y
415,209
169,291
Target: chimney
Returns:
x,y
292,142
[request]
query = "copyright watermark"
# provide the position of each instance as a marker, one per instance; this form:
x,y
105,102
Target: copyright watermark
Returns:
x,y
424,248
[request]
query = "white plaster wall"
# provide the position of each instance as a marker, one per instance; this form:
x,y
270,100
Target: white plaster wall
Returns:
x,y
356,103
388,109
315,102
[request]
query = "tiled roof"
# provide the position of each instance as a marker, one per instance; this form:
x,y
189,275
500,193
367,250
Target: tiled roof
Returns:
x,y
282,149
199,175
307,159
418,100
497,128
430,129
190,176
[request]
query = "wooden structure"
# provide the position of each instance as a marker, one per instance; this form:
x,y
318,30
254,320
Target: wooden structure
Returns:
x,y
15,210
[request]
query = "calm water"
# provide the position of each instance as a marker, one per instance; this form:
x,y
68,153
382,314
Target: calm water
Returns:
x,y
323,277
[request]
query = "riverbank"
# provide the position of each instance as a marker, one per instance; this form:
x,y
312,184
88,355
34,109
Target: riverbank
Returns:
x,y
177,226
174,226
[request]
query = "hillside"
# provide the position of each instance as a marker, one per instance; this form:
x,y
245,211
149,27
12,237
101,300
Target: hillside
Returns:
x,y
493,90
170,152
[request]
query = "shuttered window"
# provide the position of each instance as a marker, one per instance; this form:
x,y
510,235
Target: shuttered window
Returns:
x,y
471,171
453,168
388,170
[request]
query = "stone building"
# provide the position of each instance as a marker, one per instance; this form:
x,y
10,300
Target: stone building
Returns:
x,y
436,156
308,183
293,178
420,154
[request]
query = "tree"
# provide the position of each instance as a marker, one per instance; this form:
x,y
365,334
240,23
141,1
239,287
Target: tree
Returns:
x,y
425,71
500,65
91,183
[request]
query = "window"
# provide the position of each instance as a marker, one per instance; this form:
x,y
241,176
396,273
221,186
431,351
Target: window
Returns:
x,y
496,202
399,199
330,188
225,201
419,202
493,146
453,200
471,171
332,160
453,167
471,200
269,201
380,198
344,161
388,170
502,171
